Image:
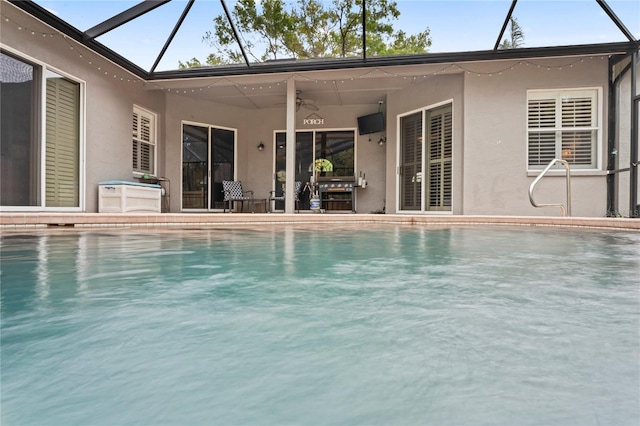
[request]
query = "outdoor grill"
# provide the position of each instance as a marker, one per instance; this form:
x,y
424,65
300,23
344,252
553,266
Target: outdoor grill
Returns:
x,y
337,193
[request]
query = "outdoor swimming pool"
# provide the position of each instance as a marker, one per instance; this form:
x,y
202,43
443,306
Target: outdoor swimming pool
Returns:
x,y
296,325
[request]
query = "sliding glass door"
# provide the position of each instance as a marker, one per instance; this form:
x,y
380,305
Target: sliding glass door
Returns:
x,y
332,153
208,158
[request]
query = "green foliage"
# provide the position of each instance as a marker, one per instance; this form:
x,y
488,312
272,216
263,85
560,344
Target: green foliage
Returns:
x,y
516,36
195,62
306,29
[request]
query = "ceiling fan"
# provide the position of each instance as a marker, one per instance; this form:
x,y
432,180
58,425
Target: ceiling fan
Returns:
x,y
304,103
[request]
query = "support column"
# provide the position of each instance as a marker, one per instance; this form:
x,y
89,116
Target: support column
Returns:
x,y
289,201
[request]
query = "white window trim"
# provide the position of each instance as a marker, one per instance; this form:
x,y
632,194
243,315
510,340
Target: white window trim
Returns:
x,y
43,131
597,170
154,138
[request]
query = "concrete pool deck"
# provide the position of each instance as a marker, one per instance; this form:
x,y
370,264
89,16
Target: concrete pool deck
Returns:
x,y
40,220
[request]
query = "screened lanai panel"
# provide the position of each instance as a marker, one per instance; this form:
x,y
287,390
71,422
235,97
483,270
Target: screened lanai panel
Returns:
x,y
195,42
86,14
141,40
447,24
559,23
275,30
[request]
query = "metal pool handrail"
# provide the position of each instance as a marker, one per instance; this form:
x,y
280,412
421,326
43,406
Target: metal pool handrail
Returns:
x,y
567,211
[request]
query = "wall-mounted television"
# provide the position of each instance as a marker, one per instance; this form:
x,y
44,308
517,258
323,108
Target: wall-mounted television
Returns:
x,y
372,123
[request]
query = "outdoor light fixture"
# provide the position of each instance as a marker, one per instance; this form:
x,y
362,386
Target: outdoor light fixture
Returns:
x,y
260,146
382,140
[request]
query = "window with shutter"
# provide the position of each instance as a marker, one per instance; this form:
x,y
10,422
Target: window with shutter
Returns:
x,y
144,141
563,124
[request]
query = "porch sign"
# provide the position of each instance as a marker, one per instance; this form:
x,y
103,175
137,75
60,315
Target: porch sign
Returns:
x,y
313,120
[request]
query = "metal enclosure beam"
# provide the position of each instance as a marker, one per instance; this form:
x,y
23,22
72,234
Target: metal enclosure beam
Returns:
x,y
364,30
603,4
123,17
504,25
235,33
185,12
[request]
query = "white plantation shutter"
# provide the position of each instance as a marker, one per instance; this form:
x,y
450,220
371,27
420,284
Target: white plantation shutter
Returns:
x,y
412,162
144,141
439,159
563,124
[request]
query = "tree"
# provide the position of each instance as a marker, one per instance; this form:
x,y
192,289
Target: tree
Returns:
x,y
275,29
516,36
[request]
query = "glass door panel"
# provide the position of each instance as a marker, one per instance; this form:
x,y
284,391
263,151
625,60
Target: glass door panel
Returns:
x,y
222,160
337,148
303,166
304,161
195,154
411,162
281,167
19,150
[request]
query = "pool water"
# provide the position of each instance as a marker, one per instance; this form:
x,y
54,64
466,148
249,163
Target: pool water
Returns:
x,y
289,325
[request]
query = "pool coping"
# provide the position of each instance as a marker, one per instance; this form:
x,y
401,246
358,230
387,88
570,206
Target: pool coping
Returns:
x,y
39,220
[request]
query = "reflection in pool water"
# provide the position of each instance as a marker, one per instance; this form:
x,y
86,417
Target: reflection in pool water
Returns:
x,y
379,325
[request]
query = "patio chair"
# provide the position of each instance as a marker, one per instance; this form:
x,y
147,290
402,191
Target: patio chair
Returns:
x,y
233,192
273,197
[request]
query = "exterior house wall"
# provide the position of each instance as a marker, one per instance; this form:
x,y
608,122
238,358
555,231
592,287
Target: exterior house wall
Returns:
x,y
490,135
108,99
495,121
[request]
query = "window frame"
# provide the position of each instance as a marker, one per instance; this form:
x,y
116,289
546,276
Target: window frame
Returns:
x,y
558,130
44,70
153,118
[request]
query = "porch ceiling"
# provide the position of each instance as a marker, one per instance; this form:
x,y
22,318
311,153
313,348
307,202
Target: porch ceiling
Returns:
x,y
322,88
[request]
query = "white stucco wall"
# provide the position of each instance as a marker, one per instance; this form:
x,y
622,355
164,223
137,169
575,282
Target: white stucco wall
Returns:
x,y
109,99
489,144
495,121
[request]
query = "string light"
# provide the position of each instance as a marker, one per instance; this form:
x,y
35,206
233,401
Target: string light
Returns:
x,y
370,73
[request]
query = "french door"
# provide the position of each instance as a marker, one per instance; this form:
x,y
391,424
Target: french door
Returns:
x,y
426,146
208,158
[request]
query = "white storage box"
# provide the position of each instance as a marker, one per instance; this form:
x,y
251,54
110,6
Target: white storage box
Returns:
x,y
117,196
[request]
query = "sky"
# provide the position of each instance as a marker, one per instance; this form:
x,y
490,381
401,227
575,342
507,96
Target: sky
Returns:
x,y
455,25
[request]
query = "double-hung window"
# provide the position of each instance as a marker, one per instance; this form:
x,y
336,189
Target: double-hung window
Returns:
x,y
144,141
563,124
